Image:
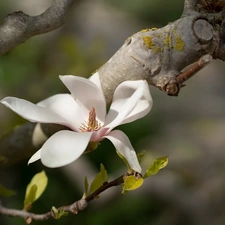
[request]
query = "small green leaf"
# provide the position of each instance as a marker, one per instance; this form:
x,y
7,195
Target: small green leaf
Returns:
x,y
86,186
35,189
157,165
6,192
58,213
99,179
30,197
131,183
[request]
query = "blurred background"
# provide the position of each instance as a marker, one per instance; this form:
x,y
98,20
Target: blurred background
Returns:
x,y
189,128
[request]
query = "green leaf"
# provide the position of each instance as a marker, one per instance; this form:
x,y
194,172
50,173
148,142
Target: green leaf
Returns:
x,y
58,213
35,189
157,165
86,186
30,197
99,180
6,192
131,183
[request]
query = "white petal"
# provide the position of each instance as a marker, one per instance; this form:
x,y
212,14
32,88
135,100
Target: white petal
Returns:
x,y
132,100
95,79
36,156
124,147
64,147
66,106
87,94
32,112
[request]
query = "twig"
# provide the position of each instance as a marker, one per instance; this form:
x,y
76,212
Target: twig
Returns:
x,y
200,64
173,86
73,208
18,26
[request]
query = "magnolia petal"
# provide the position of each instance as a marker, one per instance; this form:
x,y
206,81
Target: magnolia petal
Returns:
x,y
66,106
87,94
95,79
36,156
32,112
132,100
124,147
64,147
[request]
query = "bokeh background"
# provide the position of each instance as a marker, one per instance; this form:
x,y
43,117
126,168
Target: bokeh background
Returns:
x,y
189,128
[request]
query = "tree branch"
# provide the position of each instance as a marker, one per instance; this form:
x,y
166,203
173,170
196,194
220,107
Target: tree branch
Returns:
x,y
24,141
73,208
18,26
189,6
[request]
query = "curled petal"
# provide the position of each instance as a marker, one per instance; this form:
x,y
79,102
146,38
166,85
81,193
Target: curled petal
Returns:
x,y
66,106
132,100
124,147
32,112
64,147
87,94
36,156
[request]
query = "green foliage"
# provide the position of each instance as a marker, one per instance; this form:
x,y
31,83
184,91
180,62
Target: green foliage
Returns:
x,y
86,186
58,213
131,183
157,165
6,192
152,11
35,189
99,180
76,56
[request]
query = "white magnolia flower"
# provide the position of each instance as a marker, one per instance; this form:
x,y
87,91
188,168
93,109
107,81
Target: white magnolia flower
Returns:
x,y
84,112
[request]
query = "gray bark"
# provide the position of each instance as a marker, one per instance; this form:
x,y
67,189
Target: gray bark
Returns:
x,y
18,26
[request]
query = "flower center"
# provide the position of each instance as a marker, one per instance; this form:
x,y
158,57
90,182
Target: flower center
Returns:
x,y
92,124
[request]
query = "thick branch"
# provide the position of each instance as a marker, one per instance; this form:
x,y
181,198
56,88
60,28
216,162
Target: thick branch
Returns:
x,y
73,208
18,26
23,141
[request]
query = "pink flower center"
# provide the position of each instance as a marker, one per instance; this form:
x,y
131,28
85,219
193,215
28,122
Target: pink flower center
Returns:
x,y
92,124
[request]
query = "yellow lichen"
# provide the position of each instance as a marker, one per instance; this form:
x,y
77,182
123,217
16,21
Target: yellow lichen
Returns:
x,y
148,42
173,31
167,41
157,49
179,44
151,45
148,29
145,30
